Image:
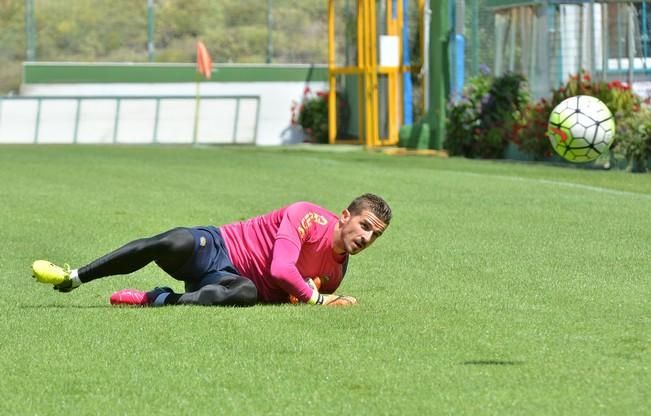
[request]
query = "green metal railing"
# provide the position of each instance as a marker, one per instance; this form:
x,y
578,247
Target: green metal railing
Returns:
x,y
79,100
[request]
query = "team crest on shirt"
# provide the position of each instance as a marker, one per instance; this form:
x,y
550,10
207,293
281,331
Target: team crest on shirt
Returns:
x,y
309,219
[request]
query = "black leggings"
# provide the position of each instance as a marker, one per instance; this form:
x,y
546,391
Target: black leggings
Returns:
x,y
170,250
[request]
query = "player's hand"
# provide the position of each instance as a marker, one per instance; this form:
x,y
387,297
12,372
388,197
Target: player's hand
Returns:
x,y
339,300
315,284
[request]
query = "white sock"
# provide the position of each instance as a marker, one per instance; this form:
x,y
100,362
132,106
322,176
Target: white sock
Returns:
x,y
74,277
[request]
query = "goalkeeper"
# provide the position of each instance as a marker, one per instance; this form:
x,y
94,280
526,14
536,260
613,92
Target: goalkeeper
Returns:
x,y
266,259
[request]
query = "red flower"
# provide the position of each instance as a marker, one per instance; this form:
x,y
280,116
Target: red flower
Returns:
x,y
618,85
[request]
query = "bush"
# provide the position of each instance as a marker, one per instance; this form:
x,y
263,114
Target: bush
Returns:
x,y
312,115
530,137
483,120
634,139
463,116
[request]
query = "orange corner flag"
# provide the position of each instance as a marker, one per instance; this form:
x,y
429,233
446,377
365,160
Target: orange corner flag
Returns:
x,y
204,63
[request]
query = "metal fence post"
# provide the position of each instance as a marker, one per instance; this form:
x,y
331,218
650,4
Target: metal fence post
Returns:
x,y
237,118
117,120
150,30
155,138
30,30
38,120
74,137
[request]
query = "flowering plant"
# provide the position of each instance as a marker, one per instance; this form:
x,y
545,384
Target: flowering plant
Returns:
x,y
463,116
484,119
312,114
634,139
531,133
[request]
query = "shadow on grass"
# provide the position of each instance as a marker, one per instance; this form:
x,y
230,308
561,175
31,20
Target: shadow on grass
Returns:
x,y
492,362
109,306
68,307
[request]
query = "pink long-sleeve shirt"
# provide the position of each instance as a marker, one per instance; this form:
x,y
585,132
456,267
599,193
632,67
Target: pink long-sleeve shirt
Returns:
x,y
279,250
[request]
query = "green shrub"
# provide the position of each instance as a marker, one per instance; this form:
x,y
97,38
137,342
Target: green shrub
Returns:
x,y
482,121
312,115
463,112
530,136
634,139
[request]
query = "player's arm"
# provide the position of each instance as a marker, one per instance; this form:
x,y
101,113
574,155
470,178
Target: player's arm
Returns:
x,y
294,230
287,276
283,270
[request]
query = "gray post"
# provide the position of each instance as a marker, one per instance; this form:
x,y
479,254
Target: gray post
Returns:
x,y
270,47
150,30
631,43
30,30
475,38
591,39
604,42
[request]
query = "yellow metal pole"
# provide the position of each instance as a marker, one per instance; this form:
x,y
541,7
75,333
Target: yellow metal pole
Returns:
x,y
391,76
368,116
368,67
399,75
421,40
360,69
373,71
332,93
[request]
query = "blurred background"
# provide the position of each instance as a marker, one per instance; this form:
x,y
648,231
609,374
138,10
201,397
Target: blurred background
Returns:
x,y
444,47
235,31
502,35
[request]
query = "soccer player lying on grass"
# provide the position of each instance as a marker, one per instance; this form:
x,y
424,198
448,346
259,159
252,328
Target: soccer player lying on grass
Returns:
x,y
272,258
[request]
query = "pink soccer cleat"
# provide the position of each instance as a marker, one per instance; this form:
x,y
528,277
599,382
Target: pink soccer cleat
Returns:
x,y
129,297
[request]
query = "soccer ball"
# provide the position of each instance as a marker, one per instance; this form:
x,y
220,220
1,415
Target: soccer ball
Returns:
x,y
581,128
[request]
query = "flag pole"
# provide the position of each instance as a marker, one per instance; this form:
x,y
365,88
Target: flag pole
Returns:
x,y
204,68
197,108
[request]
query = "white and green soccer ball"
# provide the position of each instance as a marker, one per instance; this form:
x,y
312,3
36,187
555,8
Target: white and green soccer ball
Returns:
x,y
581,128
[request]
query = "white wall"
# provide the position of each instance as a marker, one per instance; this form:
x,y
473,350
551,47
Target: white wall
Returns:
x,y
274,124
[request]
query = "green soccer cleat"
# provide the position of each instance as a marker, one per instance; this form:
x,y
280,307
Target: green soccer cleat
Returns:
x,y
46,272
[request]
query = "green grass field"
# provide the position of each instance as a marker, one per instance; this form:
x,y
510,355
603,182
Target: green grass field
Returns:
x,y
499,288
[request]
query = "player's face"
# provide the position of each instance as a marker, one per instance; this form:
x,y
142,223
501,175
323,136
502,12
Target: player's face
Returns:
x,y
359,231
